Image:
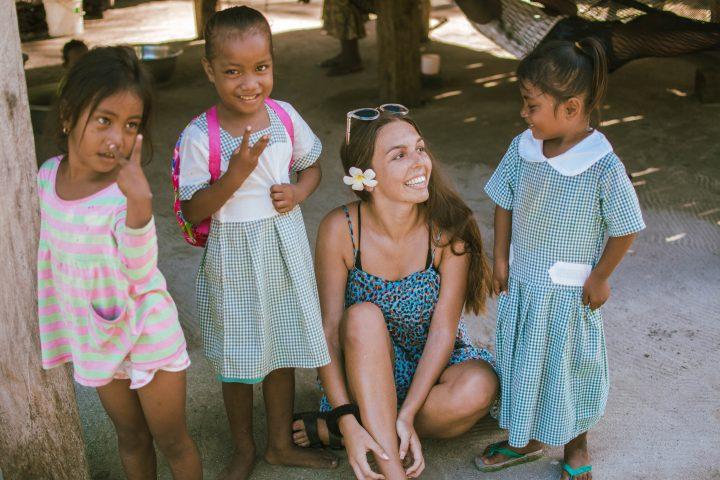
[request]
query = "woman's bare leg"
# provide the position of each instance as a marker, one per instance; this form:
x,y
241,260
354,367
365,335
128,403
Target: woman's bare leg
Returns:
x,y
463,395
368,355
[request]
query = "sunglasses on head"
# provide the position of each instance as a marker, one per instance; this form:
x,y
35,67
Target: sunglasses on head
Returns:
x,y
370,114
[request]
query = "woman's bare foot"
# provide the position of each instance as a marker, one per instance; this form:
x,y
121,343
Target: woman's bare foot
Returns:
x,y
240,467
533,445
577,455
294,456
300,436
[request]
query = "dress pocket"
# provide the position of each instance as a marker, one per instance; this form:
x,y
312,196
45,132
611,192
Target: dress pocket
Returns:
x,y
106,323
569,274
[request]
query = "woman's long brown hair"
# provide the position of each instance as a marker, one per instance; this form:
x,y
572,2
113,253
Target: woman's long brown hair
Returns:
x,y
445,210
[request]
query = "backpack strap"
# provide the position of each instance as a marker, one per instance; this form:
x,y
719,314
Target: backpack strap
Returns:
x,y
214,137
286,121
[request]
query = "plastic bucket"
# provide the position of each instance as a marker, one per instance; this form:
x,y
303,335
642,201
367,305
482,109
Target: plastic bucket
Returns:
x,y
64,17
430,64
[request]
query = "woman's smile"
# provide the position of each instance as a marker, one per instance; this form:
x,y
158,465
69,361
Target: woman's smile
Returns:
x,y
419,182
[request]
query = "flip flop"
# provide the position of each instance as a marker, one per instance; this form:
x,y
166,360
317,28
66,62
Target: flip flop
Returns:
x,y
576,472
514,458
310,420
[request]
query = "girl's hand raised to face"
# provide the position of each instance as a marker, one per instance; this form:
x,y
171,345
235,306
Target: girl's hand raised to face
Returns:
x,y
244,159
131,178
134,185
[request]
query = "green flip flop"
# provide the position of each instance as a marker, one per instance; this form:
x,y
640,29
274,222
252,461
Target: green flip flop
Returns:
x,y
514,458
576,472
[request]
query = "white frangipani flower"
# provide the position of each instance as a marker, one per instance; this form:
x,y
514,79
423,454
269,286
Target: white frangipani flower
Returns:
x,y
358,179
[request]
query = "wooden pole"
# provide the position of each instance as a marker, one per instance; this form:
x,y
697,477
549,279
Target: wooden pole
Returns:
x,y
425,10
203,10
398,33
715,11
40,435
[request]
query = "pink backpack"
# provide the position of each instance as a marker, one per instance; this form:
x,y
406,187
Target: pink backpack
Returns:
x,y
196,235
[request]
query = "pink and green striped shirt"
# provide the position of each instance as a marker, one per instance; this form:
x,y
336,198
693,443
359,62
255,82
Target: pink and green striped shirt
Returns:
x,y
101,297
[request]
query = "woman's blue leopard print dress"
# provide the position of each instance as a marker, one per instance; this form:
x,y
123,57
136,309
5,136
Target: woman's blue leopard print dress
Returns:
x,y
408,305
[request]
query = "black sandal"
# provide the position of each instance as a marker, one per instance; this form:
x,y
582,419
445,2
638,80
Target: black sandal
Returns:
x,y
310,421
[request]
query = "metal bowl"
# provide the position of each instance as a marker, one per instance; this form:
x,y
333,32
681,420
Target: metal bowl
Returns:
x,y
160,60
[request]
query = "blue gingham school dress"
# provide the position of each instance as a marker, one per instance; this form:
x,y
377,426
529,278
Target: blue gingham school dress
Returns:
x,y
257,298
550,348
408,305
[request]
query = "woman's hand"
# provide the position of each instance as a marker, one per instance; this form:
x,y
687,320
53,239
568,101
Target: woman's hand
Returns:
x,y
358,442
596,291
500,276
410,443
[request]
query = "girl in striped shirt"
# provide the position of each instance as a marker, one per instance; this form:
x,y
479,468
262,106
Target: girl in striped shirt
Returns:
x,y
103,303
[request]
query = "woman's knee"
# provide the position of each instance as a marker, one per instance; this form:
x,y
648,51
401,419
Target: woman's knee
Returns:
x,y
476,389
361,323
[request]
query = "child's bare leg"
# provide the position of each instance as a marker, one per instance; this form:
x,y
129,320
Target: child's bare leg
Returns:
x,y
135,443
577,455
163,404
238,399
279,396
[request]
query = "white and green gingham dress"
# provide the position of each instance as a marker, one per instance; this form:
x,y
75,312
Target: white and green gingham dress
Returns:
x,y
256,293
550,348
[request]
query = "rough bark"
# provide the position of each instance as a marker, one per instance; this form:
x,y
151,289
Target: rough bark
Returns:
x,y
399,28
40,435
203,10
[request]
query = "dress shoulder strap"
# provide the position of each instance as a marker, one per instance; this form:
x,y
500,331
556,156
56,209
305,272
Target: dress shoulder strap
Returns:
x,y
356,245
433,241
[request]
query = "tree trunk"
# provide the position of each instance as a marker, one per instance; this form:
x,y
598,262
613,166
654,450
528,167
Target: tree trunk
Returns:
x,y
40,436
425,10
203,10
398,37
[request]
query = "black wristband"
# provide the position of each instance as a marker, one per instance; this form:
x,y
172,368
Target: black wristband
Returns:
x,y
341,411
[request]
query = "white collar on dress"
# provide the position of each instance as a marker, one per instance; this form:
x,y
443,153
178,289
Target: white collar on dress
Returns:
x,y
573,162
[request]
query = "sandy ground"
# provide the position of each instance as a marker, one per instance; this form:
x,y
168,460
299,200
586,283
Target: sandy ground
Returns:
x,y
662,322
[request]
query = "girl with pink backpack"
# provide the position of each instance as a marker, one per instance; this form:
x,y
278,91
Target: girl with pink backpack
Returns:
x,y
256,292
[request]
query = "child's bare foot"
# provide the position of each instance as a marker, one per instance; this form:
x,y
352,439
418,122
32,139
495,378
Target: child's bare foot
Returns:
x,y
576,456
487,459
240,467
294,456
